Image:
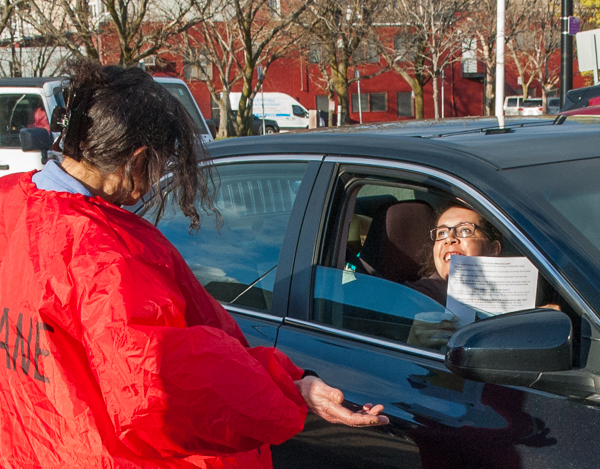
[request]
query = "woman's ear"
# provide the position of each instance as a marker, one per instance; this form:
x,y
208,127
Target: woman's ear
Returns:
x,y
138,157
496,248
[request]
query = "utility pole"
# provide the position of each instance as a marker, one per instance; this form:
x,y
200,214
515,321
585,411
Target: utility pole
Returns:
x,y
500,39
566,51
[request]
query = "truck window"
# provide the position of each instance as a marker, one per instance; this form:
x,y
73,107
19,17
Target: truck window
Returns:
x,y
18,111
185,98
298,111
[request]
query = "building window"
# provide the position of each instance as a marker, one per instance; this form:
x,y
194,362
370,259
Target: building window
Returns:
x,y
404,103
370,102
315,54
322,102
275,8
469,56
402,49
198,68
366,53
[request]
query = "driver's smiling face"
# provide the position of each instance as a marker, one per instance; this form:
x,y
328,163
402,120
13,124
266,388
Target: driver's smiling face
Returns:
x,y
478,245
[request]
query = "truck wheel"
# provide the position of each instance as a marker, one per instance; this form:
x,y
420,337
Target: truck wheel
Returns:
x,y
270,130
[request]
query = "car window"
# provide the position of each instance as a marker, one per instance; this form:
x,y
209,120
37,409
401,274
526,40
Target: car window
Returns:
x,y
184,97
531,103
569,191
18,111
377,275
511,102
298,111
237,264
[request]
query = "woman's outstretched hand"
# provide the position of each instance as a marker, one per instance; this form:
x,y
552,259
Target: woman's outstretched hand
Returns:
x,y
326,402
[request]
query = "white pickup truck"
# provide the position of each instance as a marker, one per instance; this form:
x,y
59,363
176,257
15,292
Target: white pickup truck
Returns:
x,y
27,103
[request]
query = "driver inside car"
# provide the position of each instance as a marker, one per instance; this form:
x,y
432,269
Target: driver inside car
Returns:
x,y
459,231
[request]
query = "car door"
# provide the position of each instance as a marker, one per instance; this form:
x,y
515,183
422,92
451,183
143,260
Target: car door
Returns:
x,y
245,261
353,328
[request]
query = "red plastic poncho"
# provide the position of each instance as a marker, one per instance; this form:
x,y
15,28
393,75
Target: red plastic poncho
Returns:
x,y
112,355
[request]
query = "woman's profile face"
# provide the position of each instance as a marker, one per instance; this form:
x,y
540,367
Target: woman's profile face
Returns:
x,y
478,245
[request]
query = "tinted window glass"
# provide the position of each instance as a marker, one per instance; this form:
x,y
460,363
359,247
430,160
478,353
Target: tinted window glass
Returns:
x,y
364,102
378,102
298,111
370,305
237,265
18,111
405,104
570,191
184,97
512,102
379,275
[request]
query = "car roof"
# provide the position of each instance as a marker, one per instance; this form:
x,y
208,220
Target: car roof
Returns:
x,y
31,82
530,142
168,80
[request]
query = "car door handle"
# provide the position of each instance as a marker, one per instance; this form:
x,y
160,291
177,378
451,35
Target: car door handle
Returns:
x,y
4,167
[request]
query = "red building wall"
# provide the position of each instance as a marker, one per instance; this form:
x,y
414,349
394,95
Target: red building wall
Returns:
x,y
299,79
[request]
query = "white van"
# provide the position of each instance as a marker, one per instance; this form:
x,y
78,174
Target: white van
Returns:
x,y
512,105
282,108
180,90
25,103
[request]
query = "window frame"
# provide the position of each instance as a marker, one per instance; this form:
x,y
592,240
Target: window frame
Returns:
x,y
369,102
288,245
412,103
318,233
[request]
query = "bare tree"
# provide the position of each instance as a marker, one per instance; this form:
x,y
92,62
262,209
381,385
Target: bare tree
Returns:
x,y
210,46
427,41
345,32
241,36
534,49
7,10
142,27
26,53
267,31
480,27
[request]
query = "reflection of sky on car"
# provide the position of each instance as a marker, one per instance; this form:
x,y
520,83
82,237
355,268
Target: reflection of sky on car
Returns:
x,y
256,204
233,255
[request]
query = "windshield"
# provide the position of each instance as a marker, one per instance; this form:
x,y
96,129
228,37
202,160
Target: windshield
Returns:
x,y
570,193
531,103
185,98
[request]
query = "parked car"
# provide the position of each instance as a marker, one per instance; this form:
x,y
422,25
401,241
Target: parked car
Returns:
x,y
280,107
531,107
517,390
180,90
553,105
271,126
511,105
25,103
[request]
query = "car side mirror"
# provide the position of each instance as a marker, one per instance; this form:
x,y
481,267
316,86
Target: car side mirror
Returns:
x,y
36,139
512,349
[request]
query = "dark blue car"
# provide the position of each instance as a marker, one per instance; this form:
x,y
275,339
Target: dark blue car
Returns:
x,y
301,211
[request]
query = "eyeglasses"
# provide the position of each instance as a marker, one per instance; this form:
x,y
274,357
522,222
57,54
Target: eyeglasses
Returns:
x,y
462,230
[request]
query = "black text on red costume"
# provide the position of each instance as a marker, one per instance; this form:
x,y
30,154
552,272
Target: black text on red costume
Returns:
x,y
21,357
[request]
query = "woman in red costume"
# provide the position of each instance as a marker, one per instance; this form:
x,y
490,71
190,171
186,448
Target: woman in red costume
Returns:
x,y
114,354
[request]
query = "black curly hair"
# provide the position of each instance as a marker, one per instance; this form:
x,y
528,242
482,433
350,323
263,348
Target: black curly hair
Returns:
x,y
113,111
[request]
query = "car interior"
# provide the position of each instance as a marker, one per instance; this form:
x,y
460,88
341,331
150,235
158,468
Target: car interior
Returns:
x,y
382,243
